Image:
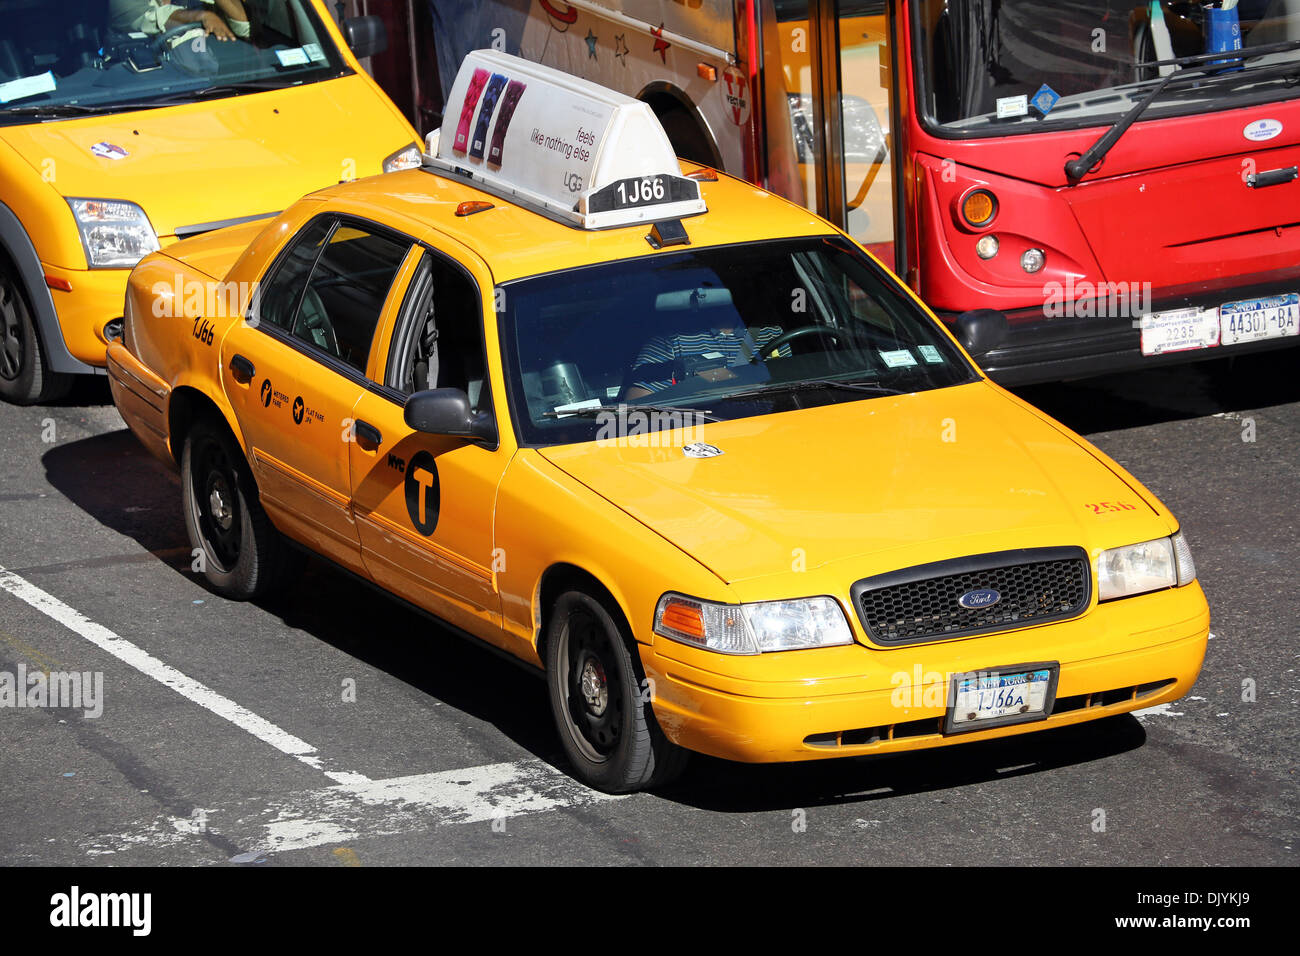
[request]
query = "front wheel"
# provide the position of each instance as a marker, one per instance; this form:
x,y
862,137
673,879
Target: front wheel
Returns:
x,y
601,703
25,377
241,553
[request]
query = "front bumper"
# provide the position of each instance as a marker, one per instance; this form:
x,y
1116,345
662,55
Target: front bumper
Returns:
x,y
1041,349
141,398
96,299
1117,657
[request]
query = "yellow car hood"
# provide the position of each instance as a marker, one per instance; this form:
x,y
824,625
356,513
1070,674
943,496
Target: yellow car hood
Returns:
x,y
884,483
220,159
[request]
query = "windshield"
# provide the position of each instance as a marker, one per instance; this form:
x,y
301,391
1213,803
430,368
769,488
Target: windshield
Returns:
x,y
88,56
990,67
714,333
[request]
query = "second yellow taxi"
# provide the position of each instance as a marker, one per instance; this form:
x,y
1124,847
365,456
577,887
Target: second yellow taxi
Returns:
x,y
672,440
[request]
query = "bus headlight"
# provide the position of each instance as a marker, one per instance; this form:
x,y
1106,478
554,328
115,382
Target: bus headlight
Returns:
x,y
115,234
756,628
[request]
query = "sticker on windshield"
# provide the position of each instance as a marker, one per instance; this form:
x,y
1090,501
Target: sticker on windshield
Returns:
x,y
901,358
314,52
27,86
1009,106
294,57
1045,99
930,354
108,151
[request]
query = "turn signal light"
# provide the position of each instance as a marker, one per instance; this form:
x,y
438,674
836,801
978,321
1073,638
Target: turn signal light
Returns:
x,y
979,207
684,618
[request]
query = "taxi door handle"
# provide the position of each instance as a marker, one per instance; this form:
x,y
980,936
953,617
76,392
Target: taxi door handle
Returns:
x,y
242,370
368,436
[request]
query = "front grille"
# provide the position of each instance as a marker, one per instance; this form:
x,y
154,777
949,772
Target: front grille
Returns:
x,y
921,603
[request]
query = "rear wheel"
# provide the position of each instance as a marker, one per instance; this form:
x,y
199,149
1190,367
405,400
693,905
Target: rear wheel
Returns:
x,y
25,378
242,554
600,702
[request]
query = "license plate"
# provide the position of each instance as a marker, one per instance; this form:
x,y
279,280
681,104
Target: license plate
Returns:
x,y
992,698
1179,330
1273,317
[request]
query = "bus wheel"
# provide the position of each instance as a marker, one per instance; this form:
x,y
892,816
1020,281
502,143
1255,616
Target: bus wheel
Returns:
x,y
605,721
242,554
25,379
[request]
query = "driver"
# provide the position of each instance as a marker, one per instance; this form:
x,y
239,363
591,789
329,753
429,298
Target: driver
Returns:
x,y
710,355
154,17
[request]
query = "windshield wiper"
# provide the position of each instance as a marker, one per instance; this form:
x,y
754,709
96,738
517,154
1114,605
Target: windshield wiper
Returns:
x,y
816,384
55,109
1076,169
589,411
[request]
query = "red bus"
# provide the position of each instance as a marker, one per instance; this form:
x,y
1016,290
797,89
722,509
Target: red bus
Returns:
x,y
1074,186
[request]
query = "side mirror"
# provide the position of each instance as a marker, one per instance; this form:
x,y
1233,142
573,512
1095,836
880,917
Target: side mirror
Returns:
x,y
446,411
981,331
365,36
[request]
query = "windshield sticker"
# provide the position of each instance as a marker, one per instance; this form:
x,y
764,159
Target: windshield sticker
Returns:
x,y
901,358
294,57
1045,99
27,86
1259,130
109,151
930,354
314,52
1009,106
575,406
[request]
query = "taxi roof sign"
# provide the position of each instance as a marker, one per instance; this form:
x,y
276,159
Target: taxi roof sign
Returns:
x,y
585,154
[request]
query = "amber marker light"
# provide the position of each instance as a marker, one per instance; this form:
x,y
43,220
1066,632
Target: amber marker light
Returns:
x,y
469,208
979,208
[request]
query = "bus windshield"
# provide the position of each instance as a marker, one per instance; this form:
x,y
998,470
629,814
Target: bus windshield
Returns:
x,y
103,56
994,66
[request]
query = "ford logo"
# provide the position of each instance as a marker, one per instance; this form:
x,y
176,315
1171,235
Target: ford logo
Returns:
x,y
981,597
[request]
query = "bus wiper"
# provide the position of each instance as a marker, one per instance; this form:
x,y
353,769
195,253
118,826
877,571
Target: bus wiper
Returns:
x,y
1076,169
590,411
817,384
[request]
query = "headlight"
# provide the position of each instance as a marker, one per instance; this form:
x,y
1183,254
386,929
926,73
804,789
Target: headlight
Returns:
x,y
752,628
114,233
1149,566
408,157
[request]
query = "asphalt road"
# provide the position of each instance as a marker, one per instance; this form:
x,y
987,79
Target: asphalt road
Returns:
x,y
226,736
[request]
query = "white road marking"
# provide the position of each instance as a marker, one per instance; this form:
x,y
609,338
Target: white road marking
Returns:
x,y
1160,710
150,666
355,807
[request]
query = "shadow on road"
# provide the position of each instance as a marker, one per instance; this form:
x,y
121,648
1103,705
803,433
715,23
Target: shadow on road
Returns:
x,y
1171,393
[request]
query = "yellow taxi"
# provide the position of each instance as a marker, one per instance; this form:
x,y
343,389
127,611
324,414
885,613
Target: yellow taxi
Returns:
x,y
126,125
672,440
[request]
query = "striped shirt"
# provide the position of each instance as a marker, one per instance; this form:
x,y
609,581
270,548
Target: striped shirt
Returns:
x,y
729,347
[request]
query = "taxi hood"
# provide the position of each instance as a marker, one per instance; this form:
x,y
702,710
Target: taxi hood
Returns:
x,y
212,161
883,483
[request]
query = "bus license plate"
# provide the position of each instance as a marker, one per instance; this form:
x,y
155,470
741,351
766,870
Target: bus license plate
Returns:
x,y
1179,330
1273,317
993,698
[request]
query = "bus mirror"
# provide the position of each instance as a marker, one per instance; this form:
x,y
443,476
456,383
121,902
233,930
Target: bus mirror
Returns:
x,y
981,330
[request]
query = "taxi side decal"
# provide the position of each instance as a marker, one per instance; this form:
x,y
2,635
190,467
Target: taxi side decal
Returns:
x,y
423,492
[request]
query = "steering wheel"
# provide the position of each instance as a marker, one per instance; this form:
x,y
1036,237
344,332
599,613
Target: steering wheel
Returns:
x,y
314,324
160,43
785,338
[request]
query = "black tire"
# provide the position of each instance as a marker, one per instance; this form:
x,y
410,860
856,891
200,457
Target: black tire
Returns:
x,y
606,723
25,377
243,555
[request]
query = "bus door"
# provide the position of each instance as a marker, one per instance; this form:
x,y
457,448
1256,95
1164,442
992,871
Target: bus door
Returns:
x,y
835,62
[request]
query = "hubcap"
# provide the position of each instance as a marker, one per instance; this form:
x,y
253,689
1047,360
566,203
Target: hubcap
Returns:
x,y
216,509
217,506
594,689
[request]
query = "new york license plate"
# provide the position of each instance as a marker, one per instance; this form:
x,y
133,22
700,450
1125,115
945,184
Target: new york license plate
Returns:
x,y
996,697
1272,317
1179,330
